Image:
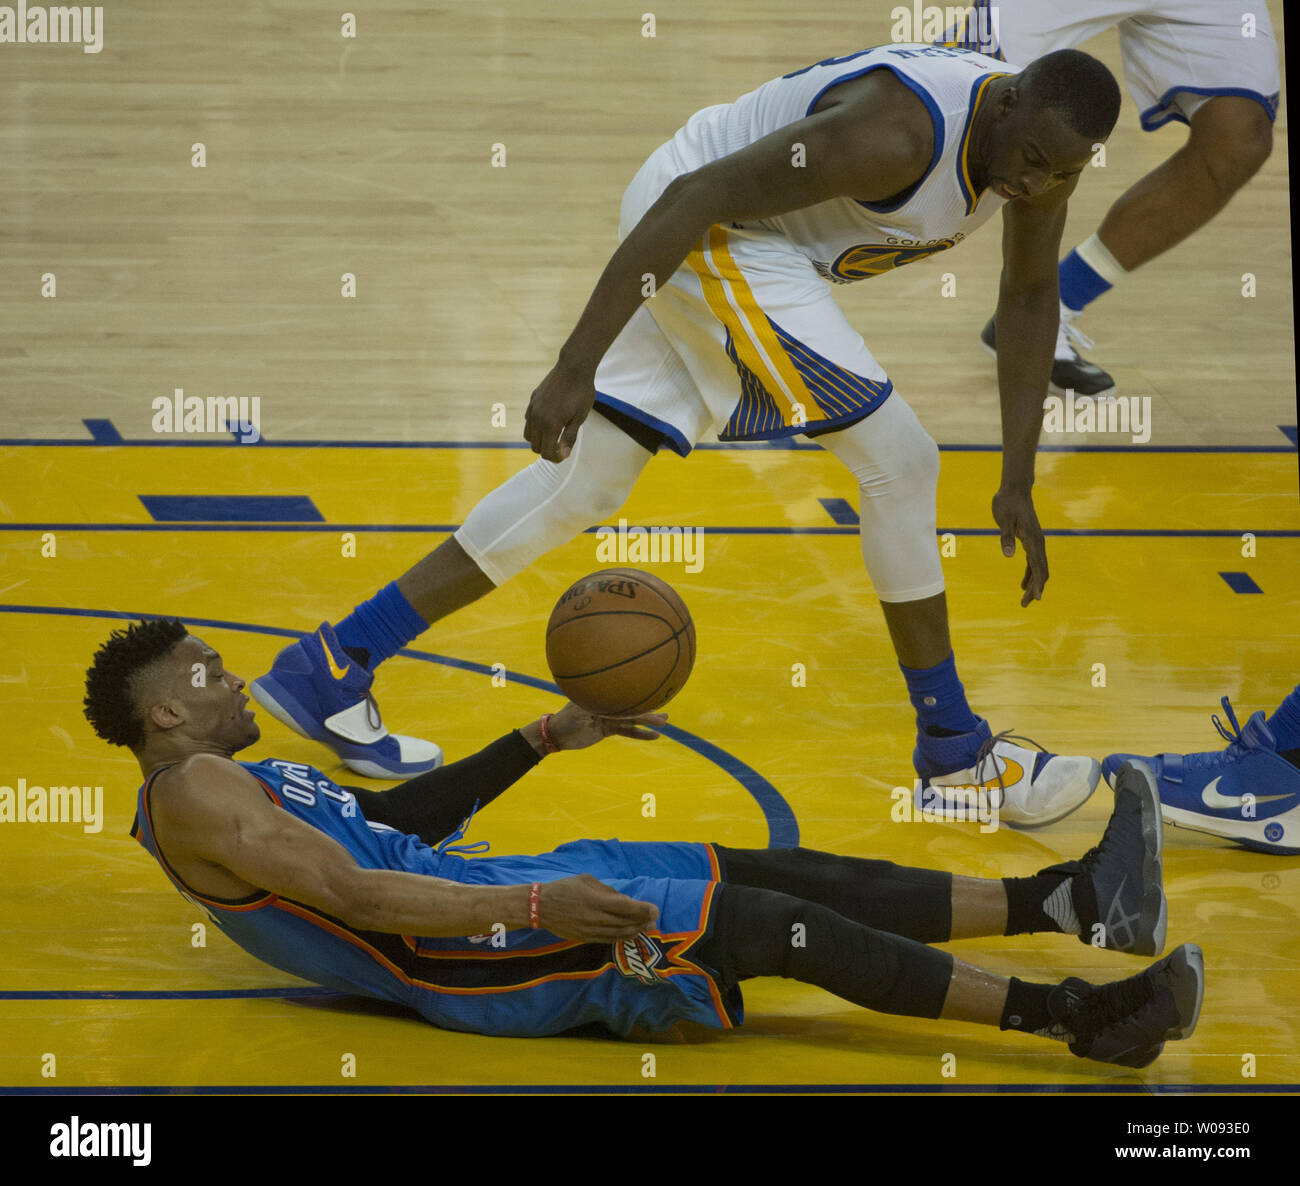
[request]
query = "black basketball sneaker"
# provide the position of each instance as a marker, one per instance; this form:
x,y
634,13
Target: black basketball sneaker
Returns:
x,y
1070,371
1129,1021
1116,890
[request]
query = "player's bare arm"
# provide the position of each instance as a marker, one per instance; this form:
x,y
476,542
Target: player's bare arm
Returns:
x,y
871,142
224,837
1027,318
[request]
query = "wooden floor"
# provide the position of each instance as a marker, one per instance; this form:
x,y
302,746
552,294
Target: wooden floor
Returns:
x,y
372,156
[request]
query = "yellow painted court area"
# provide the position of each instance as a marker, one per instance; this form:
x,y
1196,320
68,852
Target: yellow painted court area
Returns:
x,y
92,912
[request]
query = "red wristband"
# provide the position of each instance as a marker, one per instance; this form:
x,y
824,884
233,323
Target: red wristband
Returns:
x,y
548,742
534,901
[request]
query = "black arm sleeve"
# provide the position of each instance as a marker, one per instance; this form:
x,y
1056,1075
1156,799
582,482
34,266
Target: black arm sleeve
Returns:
x,y
433,805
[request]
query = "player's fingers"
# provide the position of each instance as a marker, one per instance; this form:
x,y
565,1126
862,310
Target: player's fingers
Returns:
x,y
647,720
1008,542
639,734
1036,554
631,910
554,448
568,437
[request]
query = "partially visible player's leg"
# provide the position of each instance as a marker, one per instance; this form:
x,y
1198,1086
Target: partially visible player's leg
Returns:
x,y
1230,140
1196,63
1248,792
1113,897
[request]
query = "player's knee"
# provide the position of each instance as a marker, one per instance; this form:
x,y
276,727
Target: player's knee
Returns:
x,y
927,465
1234,145
916,462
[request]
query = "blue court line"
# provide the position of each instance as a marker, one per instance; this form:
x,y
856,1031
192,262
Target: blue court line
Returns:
x,y
782,827
103,433
1241,582
687,1089
231,508
841,511
448,528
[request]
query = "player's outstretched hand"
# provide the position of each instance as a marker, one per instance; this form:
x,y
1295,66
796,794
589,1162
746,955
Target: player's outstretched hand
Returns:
x,y
1013,511
576,728
557,409
588,911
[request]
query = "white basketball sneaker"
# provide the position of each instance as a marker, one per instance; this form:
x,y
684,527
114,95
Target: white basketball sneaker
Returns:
x,y
1023,787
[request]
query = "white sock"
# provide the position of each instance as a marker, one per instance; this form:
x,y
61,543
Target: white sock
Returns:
x,y
1097,256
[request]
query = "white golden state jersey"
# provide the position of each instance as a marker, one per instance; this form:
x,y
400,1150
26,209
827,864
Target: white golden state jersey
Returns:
x,y
847,239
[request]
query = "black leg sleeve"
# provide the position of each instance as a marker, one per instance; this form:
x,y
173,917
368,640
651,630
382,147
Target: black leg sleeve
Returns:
x,y
915,903
760,933
433,805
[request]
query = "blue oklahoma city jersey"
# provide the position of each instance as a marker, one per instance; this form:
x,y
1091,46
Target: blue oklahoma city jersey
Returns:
x,y
522,982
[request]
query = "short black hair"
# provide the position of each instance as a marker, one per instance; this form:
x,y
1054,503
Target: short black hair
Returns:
x,y
1077,85
109,705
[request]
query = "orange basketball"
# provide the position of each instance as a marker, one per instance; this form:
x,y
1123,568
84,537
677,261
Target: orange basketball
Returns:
x,y
620,642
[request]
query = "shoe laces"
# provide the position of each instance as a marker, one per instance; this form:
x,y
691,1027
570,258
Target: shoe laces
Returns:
x,y
1108,840
1108,1004
985,752
1069,336
1239,743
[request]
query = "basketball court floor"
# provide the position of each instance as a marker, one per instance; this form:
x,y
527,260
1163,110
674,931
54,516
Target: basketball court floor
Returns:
x,y
371,157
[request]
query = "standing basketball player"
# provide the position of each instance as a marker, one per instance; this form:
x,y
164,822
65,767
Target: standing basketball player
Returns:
x,y
1209,64
741,223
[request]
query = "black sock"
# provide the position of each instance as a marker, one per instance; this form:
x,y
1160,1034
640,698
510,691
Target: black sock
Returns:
x,y
360,654
1291,755
1026,1009
1025,898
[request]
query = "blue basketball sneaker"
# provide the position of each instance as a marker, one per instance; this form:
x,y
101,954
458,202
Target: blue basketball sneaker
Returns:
x,y
1246,793
318,690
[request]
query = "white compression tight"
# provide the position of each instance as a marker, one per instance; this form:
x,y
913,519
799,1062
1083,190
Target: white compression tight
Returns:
x,y
896,465
893,459
546,505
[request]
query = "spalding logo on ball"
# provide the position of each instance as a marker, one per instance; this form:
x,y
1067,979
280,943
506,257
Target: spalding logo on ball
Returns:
x,y
620,642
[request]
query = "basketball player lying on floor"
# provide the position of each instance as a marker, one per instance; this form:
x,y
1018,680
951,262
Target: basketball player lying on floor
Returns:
x,y
341,887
